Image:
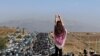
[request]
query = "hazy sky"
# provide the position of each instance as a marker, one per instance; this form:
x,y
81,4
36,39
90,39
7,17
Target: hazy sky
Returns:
x,y
86,11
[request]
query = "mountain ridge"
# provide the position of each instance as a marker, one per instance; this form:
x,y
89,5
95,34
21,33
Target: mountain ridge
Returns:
x,y
47,25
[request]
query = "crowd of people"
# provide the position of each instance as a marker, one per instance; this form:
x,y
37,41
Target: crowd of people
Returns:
x,y
31,45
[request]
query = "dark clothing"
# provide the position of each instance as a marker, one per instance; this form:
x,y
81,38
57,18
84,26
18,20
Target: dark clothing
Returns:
x,y
58,52
85,52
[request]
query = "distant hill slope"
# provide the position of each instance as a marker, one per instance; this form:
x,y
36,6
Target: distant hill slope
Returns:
x,y
6,30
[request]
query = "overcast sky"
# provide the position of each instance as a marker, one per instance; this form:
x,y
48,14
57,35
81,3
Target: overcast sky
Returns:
x,y
86,11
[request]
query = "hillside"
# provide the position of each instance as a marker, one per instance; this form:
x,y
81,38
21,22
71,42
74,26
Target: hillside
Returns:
x,y
6,30
78,41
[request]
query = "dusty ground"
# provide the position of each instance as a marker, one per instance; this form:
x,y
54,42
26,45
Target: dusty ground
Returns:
x,y
6,30
78,41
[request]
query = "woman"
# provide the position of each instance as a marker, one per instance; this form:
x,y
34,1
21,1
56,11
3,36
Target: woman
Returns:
x,y
59,36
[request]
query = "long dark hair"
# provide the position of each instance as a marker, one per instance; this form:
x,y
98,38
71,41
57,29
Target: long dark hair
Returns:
x,y
59,28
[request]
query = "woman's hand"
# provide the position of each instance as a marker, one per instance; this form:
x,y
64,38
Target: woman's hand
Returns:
x,y
58,18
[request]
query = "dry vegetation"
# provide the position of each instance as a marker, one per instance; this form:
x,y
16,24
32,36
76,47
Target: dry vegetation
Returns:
x,y
5,30
78,41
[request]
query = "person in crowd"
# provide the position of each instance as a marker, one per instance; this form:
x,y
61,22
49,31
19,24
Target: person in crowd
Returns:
x,y
85,52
